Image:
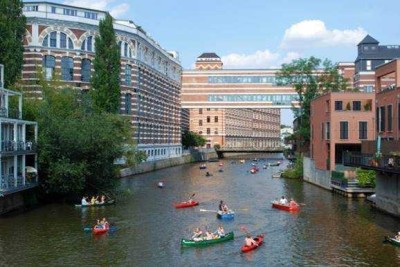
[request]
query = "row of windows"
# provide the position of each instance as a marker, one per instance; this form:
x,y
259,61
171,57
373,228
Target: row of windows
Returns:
x,y
344,130
276,99
242,79
208,120
58,40
208,109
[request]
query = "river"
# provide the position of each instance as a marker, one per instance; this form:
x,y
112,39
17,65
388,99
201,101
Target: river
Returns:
x,y
330,230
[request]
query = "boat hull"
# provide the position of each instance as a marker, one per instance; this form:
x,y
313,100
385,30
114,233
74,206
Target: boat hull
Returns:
x,y
225,216
186,204
99,231
392,241
259,240
192,243
111,202
285,207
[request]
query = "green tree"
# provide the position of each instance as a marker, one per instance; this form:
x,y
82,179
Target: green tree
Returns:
x,y
192,139
105,81
310,80
77,146
12,30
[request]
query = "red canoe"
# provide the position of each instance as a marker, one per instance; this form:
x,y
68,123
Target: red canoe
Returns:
x,y
285,207
186,204
259,240
100,230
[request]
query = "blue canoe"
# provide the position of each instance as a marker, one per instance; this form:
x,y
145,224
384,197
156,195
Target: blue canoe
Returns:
x,y
222,215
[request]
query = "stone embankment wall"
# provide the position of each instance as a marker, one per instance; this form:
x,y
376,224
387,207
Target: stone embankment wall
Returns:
x,y
388,193
11,202
194,156
321,178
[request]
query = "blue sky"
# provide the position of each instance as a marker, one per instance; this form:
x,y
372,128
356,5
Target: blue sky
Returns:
x,y
259,33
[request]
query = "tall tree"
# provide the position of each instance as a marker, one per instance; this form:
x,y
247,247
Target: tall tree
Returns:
x,y
12,30
310,80
105,80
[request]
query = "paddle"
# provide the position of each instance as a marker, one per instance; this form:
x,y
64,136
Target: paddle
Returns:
x,y
208,210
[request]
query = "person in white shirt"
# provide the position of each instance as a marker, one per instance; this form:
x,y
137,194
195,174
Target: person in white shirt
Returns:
x,y
283,200
84,201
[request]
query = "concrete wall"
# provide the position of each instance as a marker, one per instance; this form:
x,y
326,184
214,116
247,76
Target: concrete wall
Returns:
x,y
315,176
388,193
166,163
11,202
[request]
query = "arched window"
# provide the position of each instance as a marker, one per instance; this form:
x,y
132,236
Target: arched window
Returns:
x,y
124,49
85,70
128,75
87,44
58,40
128,103
67,68
49,63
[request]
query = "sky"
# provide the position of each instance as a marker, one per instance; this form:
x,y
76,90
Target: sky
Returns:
x,y
259,33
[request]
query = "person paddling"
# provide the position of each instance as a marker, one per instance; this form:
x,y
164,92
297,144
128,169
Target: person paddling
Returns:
x,y
84,201
249,241
293,204
197,234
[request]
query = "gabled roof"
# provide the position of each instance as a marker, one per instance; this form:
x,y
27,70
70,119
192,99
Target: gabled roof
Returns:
x,y
209,55
369,40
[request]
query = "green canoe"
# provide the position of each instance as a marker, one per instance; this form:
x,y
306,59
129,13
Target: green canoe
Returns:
x,y
107,203
392,241
192,243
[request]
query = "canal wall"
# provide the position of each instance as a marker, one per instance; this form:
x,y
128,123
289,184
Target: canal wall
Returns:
x,y
193,156
321,178
17,200
388,193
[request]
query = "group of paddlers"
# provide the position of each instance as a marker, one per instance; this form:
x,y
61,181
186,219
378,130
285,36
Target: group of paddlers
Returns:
x,y
103,223
199,235
284,201
93,201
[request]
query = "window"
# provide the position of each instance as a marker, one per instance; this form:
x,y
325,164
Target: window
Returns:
x,y
338,105
200,132
368,65
128,103
200,122
368,88
208,130
216,131
85,70
362,130
53,9
328,131
398,116
70,12
49,63
200,111
63,40
31,8
322,131
344,130
390,118
53,39
67,68
208,109
90,15
128,74
357,105
382,119
208,119
87,45
216,119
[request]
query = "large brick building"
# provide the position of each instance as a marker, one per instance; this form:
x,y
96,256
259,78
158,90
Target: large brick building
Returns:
x,y
231,127
60,40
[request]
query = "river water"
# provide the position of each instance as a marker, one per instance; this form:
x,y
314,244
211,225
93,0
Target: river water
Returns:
x,y
330,230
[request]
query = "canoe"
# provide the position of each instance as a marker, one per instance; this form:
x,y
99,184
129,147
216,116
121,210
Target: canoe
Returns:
x,y
203,167
99,230
274,164
229,215
107,203
192,243
285,207
186,204
160,184
259,240
277,175
221,170
392,241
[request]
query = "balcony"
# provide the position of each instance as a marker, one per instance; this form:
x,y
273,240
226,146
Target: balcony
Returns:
x,y
11,113
19,146
10,184
384,163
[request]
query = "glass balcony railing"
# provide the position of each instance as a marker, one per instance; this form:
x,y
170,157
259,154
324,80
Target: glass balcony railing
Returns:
x,y
385,163
9,146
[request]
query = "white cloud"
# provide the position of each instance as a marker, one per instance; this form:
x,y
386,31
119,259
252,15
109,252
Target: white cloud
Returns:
x,y
258,59
104,5
313,33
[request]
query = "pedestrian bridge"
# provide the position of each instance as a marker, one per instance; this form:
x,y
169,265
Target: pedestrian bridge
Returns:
x,y
235,89
224,150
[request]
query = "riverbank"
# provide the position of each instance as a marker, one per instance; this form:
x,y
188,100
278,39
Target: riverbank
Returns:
x,y
193,156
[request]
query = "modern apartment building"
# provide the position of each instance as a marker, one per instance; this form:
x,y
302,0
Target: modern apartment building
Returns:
x,y
60,40
339,123
18,157
233,127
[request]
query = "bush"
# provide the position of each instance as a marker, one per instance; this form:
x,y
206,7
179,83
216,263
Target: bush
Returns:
x,y
366,177
297,171
217,146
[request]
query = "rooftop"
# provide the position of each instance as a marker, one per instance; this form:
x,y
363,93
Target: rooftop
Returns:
x,y
209,55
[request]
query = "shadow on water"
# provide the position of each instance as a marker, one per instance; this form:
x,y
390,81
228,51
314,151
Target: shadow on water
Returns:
x,y
328,231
